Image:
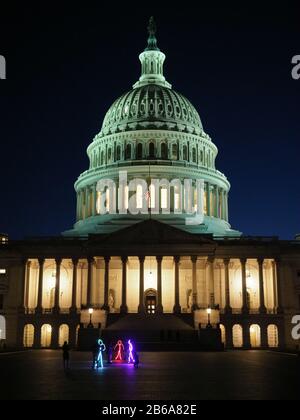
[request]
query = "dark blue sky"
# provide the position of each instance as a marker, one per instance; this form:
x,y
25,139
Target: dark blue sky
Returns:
x,y
67,64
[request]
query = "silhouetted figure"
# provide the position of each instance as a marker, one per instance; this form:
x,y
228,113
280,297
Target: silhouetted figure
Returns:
x,y
136,360
95,352
66,355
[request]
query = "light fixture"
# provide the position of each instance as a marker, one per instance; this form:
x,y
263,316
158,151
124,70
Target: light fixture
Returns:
x,y
208,310
91,310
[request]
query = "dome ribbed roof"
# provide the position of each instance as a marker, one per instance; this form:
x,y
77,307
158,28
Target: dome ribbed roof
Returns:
x,y
151,106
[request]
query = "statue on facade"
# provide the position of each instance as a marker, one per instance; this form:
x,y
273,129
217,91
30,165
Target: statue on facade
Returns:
x,y
111,301
190,300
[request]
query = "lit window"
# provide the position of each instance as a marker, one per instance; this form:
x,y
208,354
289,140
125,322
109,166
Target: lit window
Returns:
x,y
107,200
177,201
2,271
152,196
126,197
139,197
164,198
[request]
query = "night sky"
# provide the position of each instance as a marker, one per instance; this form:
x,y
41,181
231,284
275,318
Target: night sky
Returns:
x,y
67,64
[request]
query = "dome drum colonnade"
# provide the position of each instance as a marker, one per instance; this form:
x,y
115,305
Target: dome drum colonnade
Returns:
x,y
152,132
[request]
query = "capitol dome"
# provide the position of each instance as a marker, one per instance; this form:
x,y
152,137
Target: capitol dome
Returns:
x,y
153,133
151,106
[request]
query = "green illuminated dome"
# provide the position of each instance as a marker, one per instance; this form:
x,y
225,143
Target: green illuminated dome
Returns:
x,y
151,132
151,106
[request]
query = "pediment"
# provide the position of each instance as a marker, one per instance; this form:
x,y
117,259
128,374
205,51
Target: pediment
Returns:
x,y
152,232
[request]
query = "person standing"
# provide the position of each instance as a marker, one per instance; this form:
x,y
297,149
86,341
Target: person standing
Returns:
x,y
66,355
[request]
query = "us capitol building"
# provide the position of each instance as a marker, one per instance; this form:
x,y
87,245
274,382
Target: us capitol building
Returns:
x,y
150,274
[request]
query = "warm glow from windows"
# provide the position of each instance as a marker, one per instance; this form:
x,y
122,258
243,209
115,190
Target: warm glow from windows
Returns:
x,y
152,196
126,197
107,199
139,197
177,201
164,198
2,271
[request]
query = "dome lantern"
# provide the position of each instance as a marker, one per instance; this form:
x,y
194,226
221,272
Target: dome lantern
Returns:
x,y
152,60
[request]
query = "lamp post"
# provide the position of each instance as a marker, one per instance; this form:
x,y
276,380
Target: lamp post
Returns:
x,y
91,310
208,310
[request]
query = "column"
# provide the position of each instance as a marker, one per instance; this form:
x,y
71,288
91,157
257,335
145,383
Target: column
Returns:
x,y
216,201
106,283
177,307
229,337
262,306
77,205
228,308
211,280
23,285
226,206
245,308
27,285
57,284
274,285
90,261
279,289
80,204
124,308
141,308
208,198
222,204
194,274
246,335
40,287
86,207
159,308
94,199
264,335
74,285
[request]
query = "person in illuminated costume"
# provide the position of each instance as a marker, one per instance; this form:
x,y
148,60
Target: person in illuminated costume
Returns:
x,y
120,350
130,355
102,349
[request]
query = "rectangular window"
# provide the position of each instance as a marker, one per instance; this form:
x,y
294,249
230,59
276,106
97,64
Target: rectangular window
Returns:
x,y
177,201
2,271
164,198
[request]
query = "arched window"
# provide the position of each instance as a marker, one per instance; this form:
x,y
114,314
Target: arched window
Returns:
x,y
118,154
63,334
223,334
128,151
151,150
46,333
102,158
2,328
194,155
201,156
273,336
255,336
28,336
164,151
237,336
139,151
109,156
184,153
174,152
